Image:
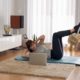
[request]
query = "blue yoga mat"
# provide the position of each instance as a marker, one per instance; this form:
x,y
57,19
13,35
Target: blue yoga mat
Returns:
x,y
22,58
64,60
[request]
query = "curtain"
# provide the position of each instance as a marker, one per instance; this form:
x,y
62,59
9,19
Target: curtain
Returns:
x,y
48,16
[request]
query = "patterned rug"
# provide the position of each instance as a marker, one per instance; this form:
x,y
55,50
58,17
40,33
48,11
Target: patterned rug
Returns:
x,y
12,66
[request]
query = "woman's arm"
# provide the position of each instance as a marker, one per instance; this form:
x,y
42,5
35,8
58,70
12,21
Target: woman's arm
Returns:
x,y
40,39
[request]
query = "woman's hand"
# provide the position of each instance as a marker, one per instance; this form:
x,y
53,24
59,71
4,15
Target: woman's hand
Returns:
x,y
41,39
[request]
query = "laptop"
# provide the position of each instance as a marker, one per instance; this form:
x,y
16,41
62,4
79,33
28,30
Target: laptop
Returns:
x,y
38,59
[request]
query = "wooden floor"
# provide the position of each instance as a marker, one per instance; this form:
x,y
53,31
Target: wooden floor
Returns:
x,y
20,77
75,75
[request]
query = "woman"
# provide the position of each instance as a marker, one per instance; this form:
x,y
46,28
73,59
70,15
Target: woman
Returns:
x,y
37,46
57,46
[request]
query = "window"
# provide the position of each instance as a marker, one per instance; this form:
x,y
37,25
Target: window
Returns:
x,y
48,16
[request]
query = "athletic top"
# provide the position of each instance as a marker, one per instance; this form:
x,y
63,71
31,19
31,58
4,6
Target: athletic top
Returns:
x,y
42,49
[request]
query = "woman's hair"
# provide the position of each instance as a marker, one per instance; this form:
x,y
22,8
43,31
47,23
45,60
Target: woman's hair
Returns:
x,y
29,44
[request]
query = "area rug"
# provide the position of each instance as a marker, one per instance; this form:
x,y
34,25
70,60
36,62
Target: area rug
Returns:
x,y
12,66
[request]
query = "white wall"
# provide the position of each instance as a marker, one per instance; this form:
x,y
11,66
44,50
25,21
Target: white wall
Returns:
x,y
77,11
6,8
1,16
19,7
11,7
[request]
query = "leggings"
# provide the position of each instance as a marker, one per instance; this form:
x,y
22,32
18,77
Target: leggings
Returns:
x,y
57,46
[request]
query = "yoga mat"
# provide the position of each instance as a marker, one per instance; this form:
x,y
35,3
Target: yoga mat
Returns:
x,y
22,58
66,60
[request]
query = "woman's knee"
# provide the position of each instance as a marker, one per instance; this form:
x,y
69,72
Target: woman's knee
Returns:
x,y
55,35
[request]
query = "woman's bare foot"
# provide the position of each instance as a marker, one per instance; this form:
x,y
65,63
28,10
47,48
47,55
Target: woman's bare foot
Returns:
x,y
72,30
76,27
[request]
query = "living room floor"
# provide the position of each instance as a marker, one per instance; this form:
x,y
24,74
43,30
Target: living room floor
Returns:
x,y
12,53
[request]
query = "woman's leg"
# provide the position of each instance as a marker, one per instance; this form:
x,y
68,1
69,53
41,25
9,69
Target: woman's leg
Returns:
x,y
57,47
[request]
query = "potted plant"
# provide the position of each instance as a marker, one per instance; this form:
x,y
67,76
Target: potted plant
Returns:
x,y
7,29
34,37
